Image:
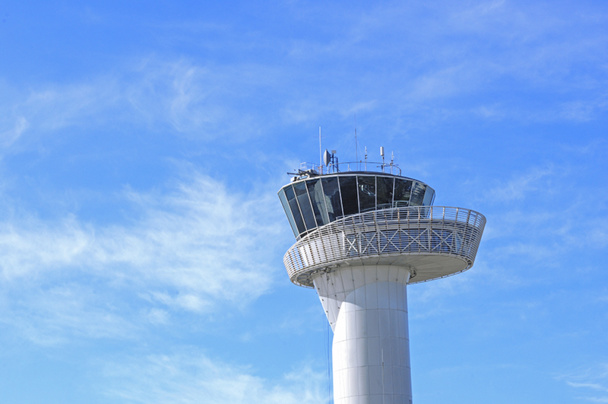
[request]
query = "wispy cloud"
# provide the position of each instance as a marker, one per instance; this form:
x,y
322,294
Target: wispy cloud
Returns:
x,y
200,98
180,97
191,377
10,136
190,249
593,386
520,186
593,381
560,215
48,315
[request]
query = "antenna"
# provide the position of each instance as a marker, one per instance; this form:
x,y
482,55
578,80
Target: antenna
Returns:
x,y
320,153
356,144
334,161
326,158
382,154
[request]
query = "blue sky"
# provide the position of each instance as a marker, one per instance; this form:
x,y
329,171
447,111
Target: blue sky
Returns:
x,y
142,145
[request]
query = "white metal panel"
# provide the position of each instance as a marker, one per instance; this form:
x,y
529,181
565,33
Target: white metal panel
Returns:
x,y
370,348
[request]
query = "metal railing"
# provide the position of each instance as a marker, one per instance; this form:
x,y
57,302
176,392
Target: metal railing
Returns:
x,y
314,169
417,230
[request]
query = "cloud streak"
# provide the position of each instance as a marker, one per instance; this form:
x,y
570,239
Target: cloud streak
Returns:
x,y
594,380
188,250
198,98
191,377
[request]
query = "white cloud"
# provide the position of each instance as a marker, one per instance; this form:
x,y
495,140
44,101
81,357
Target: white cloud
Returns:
x,y
204,99
560,219
195,99
57,314
55,107
593,386
593,379
521,186
191,249
178,95
10,136
190,377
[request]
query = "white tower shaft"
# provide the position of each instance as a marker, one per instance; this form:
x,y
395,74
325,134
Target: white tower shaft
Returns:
x,y
367,309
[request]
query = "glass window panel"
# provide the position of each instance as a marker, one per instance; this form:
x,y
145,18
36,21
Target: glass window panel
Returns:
x,y
348,189
333,202
429,196
403,190
384,193
295,210
315,191
417,194
305,206
288,213
367,192
297,216
289,193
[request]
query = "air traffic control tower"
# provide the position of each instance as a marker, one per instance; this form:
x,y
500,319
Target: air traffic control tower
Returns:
x,y
361,237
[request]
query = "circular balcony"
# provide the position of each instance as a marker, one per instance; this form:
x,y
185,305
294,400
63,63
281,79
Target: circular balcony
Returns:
x,y
432,241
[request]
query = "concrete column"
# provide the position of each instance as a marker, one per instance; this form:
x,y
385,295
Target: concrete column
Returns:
x,y
367,308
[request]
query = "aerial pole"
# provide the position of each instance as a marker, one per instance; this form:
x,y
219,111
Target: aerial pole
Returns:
x,y
320,153
357,146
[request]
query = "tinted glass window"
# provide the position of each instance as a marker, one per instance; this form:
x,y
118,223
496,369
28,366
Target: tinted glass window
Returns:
x,y
348,189
287,210
367,192
333,202
295,210
315,191
304,203
384,192
403,190
417,194
429,196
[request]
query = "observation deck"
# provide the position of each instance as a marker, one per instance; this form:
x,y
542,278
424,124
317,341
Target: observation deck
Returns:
x,y
433,241
355,218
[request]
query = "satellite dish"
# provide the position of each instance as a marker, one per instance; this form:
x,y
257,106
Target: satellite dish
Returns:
x,y
326,157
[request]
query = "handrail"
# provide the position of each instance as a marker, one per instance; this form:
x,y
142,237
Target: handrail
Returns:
x,y
350,166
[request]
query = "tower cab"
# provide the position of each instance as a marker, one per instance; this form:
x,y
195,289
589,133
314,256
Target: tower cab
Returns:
x,y
313,200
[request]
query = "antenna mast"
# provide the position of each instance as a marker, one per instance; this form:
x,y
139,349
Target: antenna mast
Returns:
x,y
356,145
357,150
320,153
